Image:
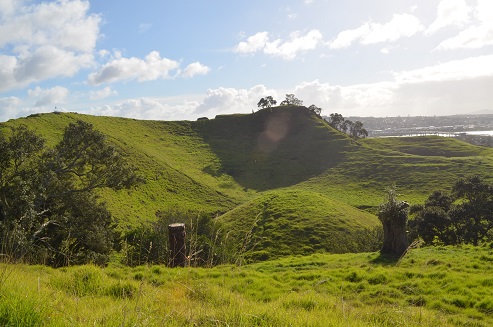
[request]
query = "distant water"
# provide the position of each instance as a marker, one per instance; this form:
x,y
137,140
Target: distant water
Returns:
x,y
444,134
480,133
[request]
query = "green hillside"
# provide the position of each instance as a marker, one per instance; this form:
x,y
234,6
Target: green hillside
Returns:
x,y
308,186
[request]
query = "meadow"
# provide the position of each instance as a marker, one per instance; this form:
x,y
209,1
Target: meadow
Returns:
x,y
432,286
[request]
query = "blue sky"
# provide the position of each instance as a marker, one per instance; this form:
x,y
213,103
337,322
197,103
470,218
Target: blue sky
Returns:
x,y
174,60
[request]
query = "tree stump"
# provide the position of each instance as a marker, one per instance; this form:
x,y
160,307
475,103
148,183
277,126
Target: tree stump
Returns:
x,y
177,247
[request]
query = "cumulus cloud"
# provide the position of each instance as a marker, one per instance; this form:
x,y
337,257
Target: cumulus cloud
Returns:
x,y
151,68
253,43
195,68
231,100
45,40
102,93
13,107
401,25
285,49
54,95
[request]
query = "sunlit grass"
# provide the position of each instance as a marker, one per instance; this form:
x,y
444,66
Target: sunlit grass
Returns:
x,y
437,286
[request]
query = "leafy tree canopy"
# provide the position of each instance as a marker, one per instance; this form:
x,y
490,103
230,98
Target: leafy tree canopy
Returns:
x,y
464,216
49,212
291,100
266,102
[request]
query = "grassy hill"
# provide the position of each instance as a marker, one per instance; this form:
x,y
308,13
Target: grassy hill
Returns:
x,y
281,173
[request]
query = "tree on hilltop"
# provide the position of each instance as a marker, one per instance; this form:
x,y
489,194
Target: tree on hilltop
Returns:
x,y
291,100
316,110
266,102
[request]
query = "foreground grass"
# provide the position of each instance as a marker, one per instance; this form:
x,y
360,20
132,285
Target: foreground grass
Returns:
x,y
444,286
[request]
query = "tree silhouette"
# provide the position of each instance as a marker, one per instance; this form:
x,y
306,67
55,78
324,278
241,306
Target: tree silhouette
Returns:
x,y
266,102
291,100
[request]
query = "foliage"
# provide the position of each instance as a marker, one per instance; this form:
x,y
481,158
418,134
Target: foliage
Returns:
x,y
316,110
354,129
291,100
49,212
266,102
394,214
466,216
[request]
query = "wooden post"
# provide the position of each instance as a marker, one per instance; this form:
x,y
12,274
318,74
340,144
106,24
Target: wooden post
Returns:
x,y
177,246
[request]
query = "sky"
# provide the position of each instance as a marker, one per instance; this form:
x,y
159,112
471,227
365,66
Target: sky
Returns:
x,y
181,60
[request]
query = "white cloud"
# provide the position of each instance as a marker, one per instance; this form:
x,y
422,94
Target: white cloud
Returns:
x,y
7,7
63,24
471,38
54,95
401,25
297,43
347,37
195,68
454,70
454,87
484,11
450,13
45,40
342,98
287,50
476,24
147,108
102,93
231,100
153,67
253,43
13,107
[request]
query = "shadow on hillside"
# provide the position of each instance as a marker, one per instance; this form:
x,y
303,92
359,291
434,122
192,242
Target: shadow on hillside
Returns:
x,y
272,148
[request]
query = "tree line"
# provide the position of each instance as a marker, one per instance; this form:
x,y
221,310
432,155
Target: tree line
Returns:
x,y
462,216
290,100
355,129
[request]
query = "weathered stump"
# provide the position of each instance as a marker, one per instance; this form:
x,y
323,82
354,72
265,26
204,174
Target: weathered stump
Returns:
x,y
177,247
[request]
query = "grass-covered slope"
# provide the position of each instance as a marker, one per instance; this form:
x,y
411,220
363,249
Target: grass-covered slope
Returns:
x,y
429,146
304,182
275,147
288,221
169,155
428,287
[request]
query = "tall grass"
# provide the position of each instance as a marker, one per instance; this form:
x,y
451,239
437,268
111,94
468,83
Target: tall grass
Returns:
x,y
439,286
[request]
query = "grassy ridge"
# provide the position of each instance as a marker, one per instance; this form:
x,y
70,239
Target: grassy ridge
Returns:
x,y
429,287
309,173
